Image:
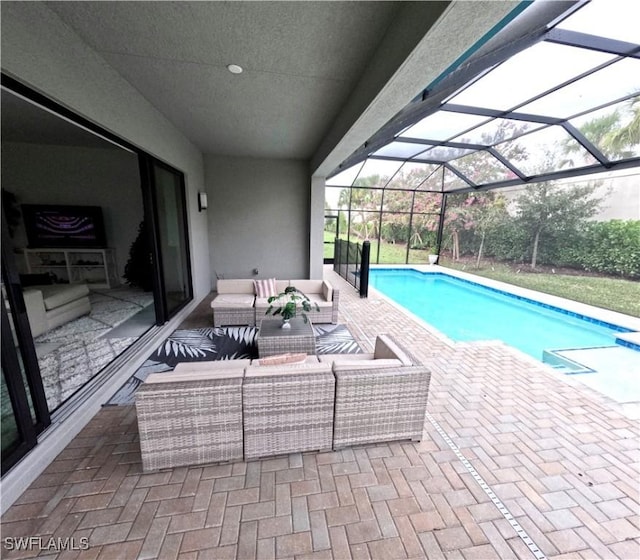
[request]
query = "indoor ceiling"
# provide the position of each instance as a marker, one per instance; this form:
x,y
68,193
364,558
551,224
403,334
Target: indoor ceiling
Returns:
x,y
301,61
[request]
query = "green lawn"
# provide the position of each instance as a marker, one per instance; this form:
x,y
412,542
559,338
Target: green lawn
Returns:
x,y
611,293
390,253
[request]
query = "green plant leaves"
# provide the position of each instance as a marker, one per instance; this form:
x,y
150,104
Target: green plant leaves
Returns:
x,y
289,303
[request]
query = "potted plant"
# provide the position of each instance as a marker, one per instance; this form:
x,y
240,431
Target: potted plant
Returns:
x,y
288,304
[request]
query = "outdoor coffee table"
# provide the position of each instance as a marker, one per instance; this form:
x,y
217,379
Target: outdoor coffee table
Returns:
x,y
272,339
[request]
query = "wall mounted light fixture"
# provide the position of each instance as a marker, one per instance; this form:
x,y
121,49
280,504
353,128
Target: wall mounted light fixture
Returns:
x,y
202,201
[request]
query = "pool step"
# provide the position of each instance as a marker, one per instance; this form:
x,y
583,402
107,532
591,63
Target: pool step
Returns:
x,y
561,368
562,363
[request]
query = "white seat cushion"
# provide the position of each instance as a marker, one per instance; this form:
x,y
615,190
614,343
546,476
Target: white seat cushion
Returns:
x,y
211,365
330,358
233,300
182,376
310,365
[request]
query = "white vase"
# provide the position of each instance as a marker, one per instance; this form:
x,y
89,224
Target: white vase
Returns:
x,y
433,259
285,324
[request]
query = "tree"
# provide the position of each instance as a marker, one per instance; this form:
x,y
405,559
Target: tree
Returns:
x,y
426,218
626,137
481,167
480,211
546,207
607,132
139,269
364,202
474,213
487,210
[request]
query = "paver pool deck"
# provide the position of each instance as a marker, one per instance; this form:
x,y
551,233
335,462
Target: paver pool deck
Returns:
x,y
515,463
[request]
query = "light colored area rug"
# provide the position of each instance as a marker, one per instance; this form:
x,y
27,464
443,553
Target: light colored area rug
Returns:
x,y
71,354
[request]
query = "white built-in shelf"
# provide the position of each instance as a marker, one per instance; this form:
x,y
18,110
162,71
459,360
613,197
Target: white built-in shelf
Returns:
x,y
95,267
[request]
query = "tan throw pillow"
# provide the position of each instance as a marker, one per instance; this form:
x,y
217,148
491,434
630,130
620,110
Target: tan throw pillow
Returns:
x,y
265,288
282,359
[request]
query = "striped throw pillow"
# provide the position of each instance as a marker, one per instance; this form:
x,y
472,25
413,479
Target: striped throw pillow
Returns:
x,y
265,288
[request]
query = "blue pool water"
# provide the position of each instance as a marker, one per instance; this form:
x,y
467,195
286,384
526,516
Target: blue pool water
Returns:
x,y
465,311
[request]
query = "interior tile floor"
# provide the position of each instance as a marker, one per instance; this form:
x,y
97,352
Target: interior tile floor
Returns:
x,y
515,463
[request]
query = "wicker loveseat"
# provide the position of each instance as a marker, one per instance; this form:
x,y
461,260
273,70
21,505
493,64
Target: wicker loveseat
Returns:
x,y
236,302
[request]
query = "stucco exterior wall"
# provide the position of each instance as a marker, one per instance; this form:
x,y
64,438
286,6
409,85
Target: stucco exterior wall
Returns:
x,y
258,217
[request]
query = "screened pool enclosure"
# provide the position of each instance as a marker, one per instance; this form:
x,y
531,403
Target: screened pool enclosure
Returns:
x,y
556,105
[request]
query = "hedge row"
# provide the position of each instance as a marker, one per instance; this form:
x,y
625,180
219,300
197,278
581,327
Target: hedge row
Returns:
x,y
611,247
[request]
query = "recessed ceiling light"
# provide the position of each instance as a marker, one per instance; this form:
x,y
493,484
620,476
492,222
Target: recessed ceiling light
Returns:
x,y
234,68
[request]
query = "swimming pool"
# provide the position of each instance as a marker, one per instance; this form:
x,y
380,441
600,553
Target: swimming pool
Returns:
x,y
466,311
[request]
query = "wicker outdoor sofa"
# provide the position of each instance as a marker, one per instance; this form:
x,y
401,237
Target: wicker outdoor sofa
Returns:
x,y
236,302
221,411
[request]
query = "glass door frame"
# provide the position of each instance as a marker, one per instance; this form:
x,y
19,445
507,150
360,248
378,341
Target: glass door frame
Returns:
x,y
29,425
150,202
19,403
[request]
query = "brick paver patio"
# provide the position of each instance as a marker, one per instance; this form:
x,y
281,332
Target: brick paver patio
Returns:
x,y
515,463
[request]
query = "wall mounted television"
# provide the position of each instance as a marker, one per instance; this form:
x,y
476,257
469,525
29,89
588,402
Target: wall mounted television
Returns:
x,y
64,226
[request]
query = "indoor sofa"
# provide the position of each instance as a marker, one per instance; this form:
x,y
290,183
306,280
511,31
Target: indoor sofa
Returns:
x,y
236,302
52,305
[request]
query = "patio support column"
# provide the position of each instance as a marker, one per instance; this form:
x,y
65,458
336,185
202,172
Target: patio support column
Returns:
x,y
316,228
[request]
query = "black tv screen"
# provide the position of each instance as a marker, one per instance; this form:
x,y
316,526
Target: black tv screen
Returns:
x,y
62,226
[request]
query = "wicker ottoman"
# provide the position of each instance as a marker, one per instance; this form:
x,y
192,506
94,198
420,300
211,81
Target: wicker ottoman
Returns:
x,y
233,309
190,418
287,408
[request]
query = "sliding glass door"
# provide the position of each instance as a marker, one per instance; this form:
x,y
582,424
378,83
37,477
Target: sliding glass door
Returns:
x,y
22,399
18,421
165,207
143,202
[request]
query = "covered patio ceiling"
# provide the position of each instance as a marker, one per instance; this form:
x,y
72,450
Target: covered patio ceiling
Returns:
x,y
555,106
